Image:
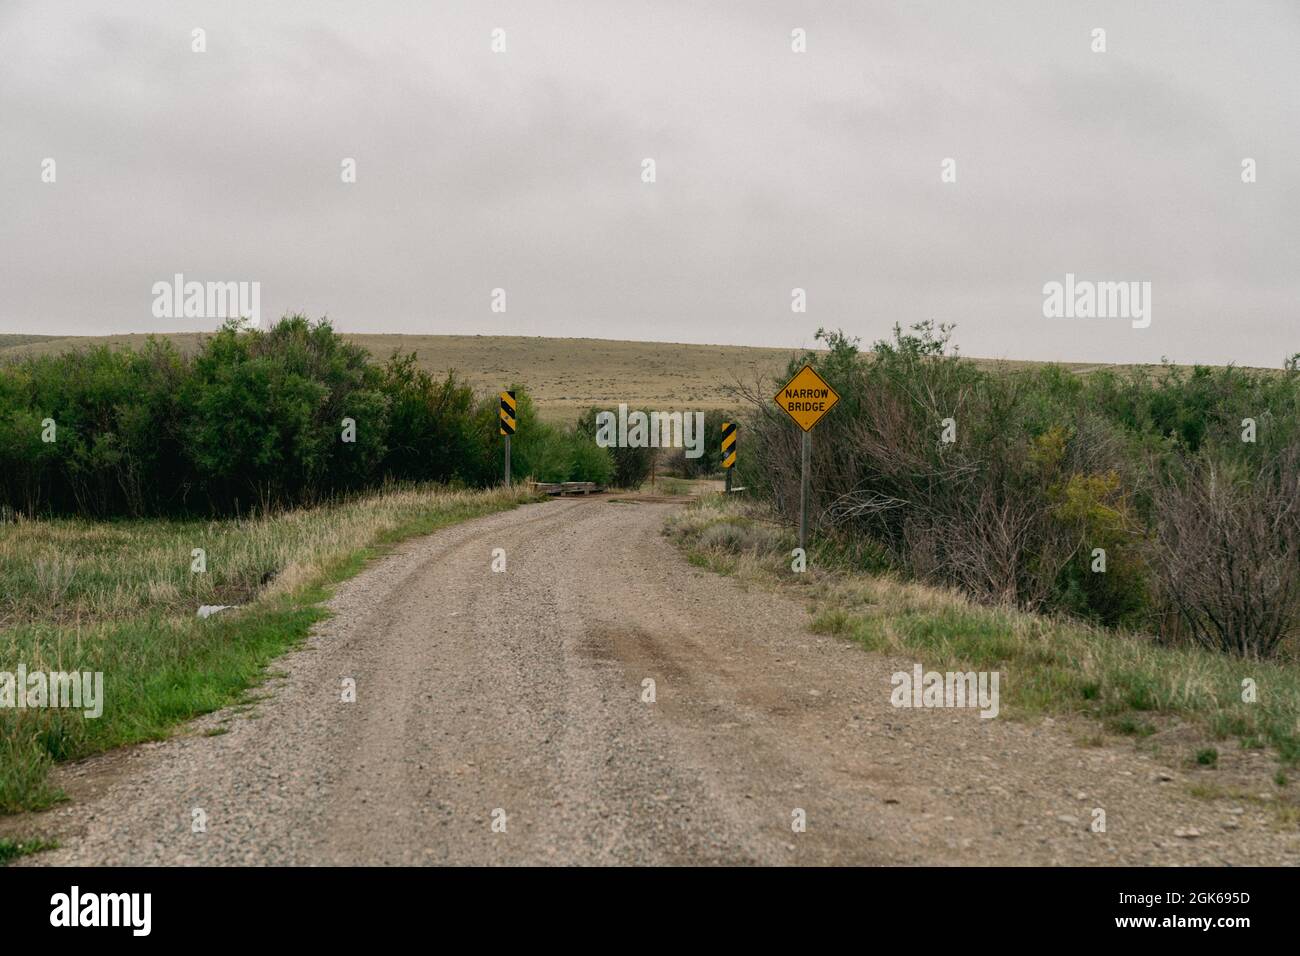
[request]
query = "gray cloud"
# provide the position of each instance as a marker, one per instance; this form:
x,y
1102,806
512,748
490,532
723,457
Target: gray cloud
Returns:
x,y
775,170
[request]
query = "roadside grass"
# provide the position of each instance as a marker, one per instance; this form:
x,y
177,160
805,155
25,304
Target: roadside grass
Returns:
x,y
1048,665
668,485
74,572
11,849
673,486
126,600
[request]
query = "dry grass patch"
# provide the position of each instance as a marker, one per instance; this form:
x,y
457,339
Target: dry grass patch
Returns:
x,y
71,571
1049,665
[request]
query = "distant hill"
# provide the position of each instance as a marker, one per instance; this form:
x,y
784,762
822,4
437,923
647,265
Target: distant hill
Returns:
x,y
8,340
566,376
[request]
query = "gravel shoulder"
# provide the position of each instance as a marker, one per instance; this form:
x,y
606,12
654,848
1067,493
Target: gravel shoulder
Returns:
x,y
484,696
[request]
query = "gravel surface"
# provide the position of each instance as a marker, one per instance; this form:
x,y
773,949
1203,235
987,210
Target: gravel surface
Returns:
x,y
482,694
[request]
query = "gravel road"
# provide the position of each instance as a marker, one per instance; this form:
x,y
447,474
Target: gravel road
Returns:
x,y
517,698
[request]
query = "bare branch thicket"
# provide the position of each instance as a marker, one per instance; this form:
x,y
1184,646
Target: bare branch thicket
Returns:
x,y
1227,553
957,517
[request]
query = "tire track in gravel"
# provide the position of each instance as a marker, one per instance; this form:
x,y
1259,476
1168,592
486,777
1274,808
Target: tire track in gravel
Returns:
x,y
522,691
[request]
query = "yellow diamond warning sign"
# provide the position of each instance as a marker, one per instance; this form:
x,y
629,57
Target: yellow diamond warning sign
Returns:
x,y
806,398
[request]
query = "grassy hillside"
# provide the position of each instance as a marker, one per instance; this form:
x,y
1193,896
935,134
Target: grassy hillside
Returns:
x,y
564,376
8,340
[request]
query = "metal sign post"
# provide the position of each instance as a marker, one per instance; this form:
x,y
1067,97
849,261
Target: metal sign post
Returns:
x,y
806,398
805,462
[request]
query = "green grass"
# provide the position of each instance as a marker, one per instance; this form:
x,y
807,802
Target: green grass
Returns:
x,y
128,611
1049,665
11,850
665,485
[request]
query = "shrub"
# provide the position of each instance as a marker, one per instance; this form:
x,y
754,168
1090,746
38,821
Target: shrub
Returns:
x,y
432,429
629,466
709,463
254,421
737,538
1047,467
1228,552
114,447
548,452
263,415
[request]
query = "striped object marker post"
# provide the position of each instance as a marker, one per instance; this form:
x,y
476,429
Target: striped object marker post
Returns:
x,y
728,449
507,421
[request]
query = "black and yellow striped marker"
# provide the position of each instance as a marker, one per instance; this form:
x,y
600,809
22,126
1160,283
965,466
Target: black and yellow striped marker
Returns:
x,y
507,413
728,444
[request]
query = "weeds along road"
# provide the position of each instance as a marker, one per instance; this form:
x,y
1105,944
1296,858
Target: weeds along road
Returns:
x,y
522,692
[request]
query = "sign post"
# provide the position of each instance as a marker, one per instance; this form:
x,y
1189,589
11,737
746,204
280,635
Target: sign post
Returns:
x,y
805,398
728,449
805,466
507,422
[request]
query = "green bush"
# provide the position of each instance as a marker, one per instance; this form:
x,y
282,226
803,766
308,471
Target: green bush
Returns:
x,y
708,464
629,466
255,420
113,446
546,452
433,427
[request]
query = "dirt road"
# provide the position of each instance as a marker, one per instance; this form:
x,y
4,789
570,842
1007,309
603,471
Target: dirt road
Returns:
x,y
484,697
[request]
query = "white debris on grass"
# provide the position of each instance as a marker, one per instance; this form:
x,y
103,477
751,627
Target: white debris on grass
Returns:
x,y
207,610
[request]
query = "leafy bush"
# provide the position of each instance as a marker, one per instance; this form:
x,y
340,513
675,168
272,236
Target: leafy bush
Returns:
x,y
632,466
254,421
629,466
92,431
708,464
434,430
548,453
263,416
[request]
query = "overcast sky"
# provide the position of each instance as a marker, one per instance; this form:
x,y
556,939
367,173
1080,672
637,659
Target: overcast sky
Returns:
x,y
522,170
